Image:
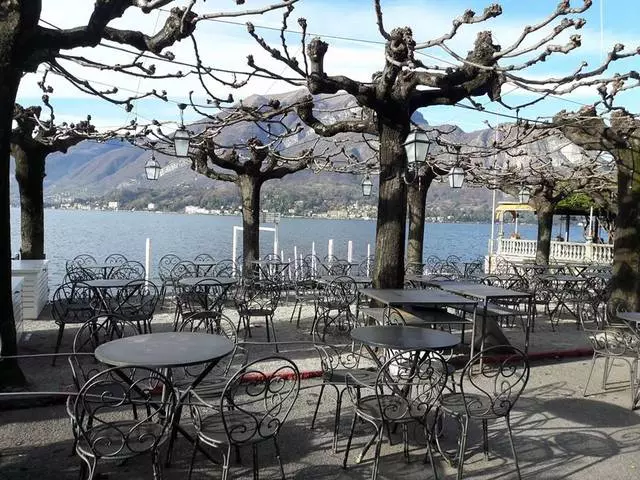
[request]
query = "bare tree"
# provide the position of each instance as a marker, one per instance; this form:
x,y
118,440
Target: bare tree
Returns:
x,y
620,137
24,46
406,84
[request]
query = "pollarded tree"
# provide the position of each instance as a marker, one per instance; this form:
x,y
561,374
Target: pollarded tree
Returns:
x,y
249,174
25,45
406,84
620,137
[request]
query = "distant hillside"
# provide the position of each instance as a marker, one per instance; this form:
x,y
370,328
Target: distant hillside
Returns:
x,y
114,171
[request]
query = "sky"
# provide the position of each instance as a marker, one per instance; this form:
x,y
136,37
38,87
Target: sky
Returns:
x,y
356,49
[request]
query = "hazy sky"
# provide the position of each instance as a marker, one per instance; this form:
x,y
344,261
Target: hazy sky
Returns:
x,y
358,54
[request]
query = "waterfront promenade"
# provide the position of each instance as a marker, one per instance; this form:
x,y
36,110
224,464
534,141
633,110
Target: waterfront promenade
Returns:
x,y
558,433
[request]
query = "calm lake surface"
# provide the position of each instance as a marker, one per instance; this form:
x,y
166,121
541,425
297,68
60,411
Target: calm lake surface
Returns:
x,y
71,232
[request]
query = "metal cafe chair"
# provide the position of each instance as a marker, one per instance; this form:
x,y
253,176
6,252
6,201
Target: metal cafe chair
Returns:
x,y
258,299
488,394
137,301
129,270
404,392
84,259
116,417
166,264
72,302
254,405
334,306
179,271
116,259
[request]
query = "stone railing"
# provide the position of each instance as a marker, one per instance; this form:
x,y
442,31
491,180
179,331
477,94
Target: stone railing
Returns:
x,y
571,252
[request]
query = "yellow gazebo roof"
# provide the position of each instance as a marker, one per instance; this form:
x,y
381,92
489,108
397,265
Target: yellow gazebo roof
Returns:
x,y
512,207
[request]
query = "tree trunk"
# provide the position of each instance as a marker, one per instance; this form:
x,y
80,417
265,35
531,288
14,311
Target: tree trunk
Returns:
x,y
250,193
625,282
14,19
30,168
544,211
416,199
392,207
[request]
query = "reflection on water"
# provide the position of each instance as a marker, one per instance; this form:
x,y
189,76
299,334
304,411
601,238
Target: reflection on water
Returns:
x,y
71,232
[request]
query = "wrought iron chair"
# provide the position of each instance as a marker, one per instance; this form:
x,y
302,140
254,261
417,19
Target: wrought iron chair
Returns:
x,y
179,271
129,270
338,361
334,306
305,289
78,273
116,259
137,301
258,299
116,417
365,268
84,259
252,409
72,302
488,394
225,268
407,388
204,257
167,262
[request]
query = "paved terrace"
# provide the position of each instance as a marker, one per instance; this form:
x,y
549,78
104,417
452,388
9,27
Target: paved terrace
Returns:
x,y
558,433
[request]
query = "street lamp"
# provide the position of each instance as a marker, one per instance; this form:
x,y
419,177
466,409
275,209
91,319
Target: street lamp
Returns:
x,y
456,174
367,186
524,195
181,137
417,147
152,168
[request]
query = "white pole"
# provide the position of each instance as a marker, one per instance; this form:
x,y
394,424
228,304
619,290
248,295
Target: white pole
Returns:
x,y
289,267
275,240
147,260
368,258
330,250
295,260
313,258
350,251
493,222
234,249
590,225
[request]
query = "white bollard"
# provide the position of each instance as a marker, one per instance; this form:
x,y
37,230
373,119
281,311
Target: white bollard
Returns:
x,y
330,250
147,260
368,259
313,258
350,251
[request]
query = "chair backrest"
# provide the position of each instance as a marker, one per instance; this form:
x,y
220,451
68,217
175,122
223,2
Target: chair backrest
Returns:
x,y
84,259
166,264
203,257
263,295
138,298
392,316
409,386
77,272
93,333
129,270
258,398
341,290
183,269
494,390
117,414
207,294
431,263
272,257
365,268
116,259
225,268
74,302
347,356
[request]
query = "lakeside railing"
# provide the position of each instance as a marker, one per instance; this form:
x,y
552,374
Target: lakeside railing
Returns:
x,y
572,252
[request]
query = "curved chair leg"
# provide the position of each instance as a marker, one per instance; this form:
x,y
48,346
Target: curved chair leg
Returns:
x,y
293,312
593,364
336,421
279,457
156,465
376,455
346,452
225,463
273,329
513,448
87,468
256,468
485,439
405,441
315,413
464,424
58,343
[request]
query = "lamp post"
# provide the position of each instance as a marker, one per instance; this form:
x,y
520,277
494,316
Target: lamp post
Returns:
x,y
181,137
367,186
152,168
456,174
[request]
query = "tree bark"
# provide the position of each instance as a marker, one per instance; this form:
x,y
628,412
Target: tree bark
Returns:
x,y
30,172
250,192
625,282
544,211
16,19
416,200
392,207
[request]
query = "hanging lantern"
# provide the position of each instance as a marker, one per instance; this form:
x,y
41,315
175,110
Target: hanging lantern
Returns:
x,y
367,186
416,147
456,177
182,138
152,168
524,195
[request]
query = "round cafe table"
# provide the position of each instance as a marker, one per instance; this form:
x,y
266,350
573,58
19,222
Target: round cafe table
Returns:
x,y
630,317
167,350
398,337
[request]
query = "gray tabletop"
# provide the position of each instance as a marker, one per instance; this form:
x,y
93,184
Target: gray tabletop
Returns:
x,y
164,350
110,282
400,337
481,291
191,281
415,297
629,316
360,280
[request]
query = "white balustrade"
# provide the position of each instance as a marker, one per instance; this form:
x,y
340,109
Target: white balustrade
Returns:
x,y
571,252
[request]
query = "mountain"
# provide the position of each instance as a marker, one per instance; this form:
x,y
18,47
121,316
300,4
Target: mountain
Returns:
x,y
114,170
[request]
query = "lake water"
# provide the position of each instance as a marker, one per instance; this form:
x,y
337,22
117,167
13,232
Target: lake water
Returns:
x,y
71,232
